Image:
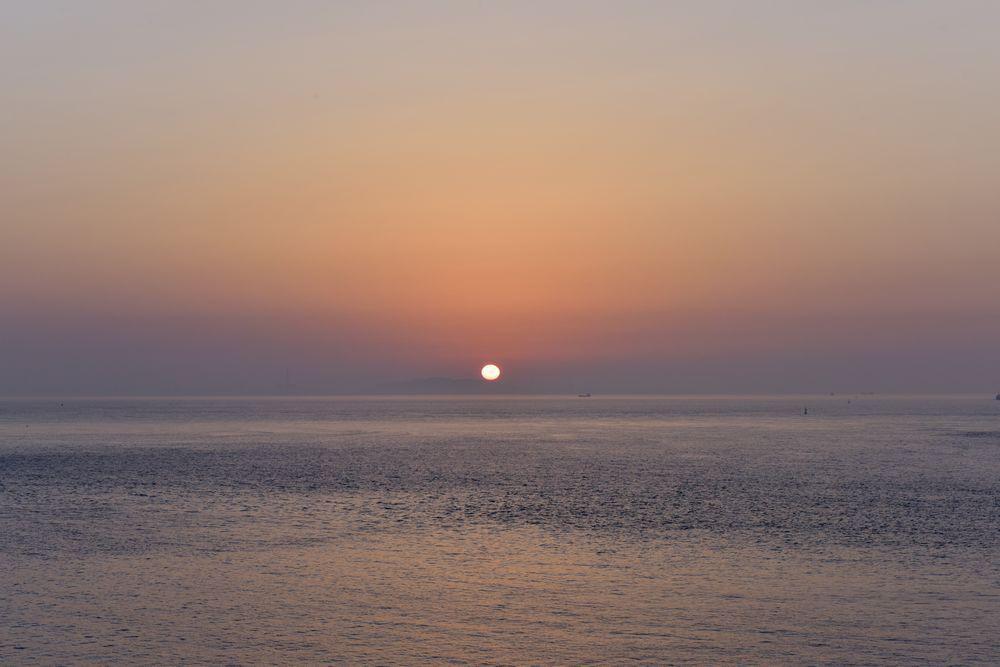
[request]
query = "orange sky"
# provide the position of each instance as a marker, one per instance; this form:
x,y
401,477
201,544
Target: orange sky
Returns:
x,y
625,194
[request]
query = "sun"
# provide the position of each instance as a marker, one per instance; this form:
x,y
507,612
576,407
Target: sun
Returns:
x,y
490,372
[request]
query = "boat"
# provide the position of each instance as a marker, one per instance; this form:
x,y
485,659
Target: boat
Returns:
x,y
998,397
588,396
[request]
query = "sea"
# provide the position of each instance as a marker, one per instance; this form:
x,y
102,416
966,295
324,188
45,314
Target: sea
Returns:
x,y
501,530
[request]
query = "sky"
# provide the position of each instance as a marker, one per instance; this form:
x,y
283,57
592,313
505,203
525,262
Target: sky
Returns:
x,y
684,197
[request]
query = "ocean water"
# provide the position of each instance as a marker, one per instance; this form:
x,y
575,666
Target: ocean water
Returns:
x,y
500,530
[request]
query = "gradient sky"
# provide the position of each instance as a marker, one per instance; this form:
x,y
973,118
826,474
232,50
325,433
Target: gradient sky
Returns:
x,y
617,196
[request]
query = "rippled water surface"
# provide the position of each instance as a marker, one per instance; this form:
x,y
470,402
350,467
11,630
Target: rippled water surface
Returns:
x,y
500,530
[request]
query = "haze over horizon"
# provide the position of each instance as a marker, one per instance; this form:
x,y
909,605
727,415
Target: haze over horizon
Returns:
x,y
630,197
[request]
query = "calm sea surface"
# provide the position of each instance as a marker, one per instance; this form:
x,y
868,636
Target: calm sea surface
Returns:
x,y
500,530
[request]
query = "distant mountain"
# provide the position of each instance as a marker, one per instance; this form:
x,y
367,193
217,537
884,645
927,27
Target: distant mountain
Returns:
x,y
439,385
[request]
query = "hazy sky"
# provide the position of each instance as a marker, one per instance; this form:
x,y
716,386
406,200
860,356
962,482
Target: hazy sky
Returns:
x,y
616,196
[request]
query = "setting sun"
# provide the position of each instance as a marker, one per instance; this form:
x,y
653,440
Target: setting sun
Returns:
x,y
491,372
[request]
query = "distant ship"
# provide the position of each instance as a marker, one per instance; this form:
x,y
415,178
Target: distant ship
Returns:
x,y
998,397
588,396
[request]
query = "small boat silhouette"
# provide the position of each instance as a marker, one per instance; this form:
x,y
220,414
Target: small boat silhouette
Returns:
x,y
588,396
998,397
